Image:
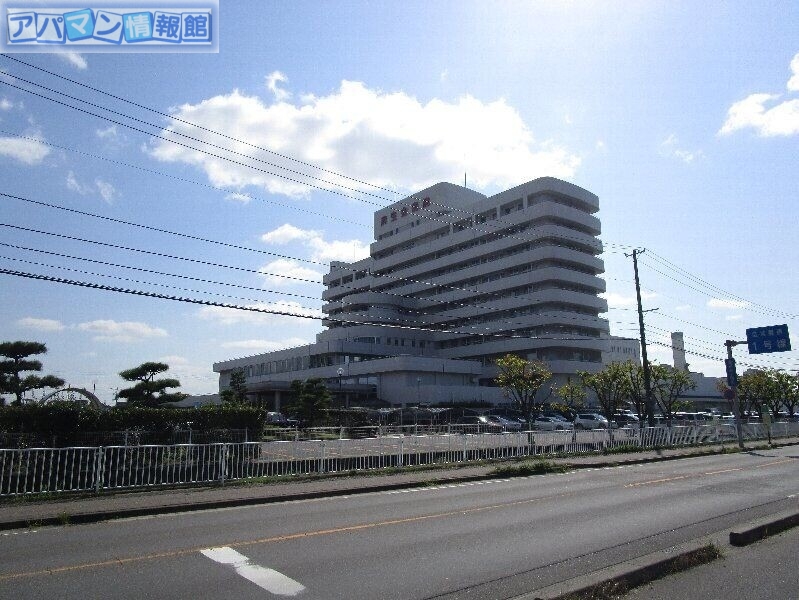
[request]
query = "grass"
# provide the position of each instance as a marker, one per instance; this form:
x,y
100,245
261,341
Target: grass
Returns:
x,y
531,467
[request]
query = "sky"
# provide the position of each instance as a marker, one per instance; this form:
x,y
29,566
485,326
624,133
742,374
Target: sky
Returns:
x,y
237,176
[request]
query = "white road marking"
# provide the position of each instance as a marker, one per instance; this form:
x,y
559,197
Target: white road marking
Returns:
x,y
269,579
24,532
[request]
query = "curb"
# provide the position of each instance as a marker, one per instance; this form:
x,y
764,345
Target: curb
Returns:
x,y
98,516
619,579
764,530
614,581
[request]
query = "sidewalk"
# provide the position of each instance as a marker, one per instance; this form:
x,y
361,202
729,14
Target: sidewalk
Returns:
x,y
17,514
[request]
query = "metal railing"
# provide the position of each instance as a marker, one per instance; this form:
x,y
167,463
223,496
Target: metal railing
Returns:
x,y
59,470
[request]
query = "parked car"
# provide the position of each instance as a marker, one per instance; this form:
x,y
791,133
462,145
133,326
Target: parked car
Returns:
x,y
276,418
510,415
478,423
551,424
590,421
626,420
506,424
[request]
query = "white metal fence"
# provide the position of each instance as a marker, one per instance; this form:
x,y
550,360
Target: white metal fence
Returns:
x,y
58,470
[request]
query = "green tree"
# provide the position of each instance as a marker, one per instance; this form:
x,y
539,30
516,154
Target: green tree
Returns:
x,y
16,361
777,390
573,394
756,388
789,390
148,390
310,401
636,391
521,379
668,384
611,386
236,392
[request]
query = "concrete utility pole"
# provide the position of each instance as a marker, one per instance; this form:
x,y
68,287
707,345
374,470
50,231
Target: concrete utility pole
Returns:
x,y
650,401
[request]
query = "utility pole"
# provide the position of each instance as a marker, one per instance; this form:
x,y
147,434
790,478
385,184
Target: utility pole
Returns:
x,y
650,402
732,382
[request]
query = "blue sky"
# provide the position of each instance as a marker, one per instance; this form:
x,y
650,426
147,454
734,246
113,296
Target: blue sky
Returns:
x,y
682,117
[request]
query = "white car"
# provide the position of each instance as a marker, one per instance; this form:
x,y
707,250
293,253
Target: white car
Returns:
x,y
590,421
551,424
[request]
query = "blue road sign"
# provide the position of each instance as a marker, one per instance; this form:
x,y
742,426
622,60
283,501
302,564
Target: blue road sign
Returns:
x,y
768,339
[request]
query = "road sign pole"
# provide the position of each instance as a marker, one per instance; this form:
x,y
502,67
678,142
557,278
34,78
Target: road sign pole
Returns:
x,y
732,381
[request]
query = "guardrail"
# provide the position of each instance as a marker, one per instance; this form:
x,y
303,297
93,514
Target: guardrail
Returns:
x,y
60,470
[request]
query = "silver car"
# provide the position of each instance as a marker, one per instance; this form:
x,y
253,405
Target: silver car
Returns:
x,y
551,424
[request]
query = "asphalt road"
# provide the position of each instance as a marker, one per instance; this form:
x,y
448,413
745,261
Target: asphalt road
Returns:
x,y
493,539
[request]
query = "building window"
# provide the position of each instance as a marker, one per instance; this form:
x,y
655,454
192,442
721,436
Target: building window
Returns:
x,y
425,202
404,211
415,206
383,220
394,215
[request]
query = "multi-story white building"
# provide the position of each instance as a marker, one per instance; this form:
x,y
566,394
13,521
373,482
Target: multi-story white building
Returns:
x,y
454,280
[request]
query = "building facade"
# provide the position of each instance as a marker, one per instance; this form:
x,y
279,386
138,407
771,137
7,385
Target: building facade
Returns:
x,y
454,280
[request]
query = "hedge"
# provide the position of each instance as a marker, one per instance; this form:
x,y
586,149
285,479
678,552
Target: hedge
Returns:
x,y
64,420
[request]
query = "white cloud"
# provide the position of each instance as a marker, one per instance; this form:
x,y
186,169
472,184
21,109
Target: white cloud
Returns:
x,y
106,330
27,151
389,139
727,304
74,59
174,359
287,233
6,104
76,186
264,345
600,146
321,250
243,198
733,317
780,119
272,81
107,190
346,250
107,133
285,271
764,114
793,82
232,316
41,324
670,147
444,76
683,307
621,301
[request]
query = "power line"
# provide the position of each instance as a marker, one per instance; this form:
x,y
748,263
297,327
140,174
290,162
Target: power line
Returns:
x,y
493,228
179,120
293,207
257,309
452,287
759,307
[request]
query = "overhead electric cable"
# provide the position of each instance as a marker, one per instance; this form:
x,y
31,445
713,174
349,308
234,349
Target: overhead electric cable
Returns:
x,y
494,228
189,123
147,294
